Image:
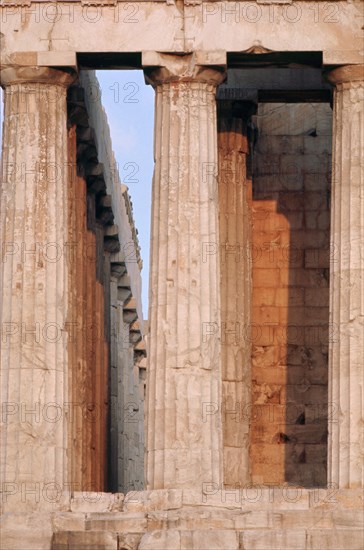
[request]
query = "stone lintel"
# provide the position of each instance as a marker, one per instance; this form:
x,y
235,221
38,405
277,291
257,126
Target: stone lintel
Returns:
x,y
275,78
342,56
275,84
203,67
43,59
57,59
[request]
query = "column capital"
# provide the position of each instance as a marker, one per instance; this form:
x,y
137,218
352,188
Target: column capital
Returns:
x,y
202,67
346,74
35,75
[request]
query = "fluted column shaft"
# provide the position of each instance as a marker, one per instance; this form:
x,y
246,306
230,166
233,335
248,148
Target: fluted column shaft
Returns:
x,y
236,286
346,362
184,435
34,279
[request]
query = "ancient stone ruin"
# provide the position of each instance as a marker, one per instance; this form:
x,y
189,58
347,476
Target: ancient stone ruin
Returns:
x,y
233,418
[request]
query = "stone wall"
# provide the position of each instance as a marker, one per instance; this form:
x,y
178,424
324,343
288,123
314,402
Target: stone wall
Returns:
x,y
88,346
290,315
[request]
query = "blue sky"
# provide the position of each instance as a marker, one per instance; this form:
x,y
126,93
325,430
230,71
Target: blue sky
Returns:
x,y
129,104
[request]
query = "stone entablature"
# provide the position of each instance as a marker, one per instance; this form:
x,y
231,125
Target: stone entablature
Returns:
x,y
41,34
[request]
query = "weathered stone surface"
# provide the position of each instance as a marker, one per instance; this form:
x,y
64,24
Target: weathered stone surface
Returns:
x,y
258,520
88,383
215,539
346,440
162,499
339,498
34,310
276,518
235,289
161,540
342,539
69,521
90,540
34,528
348,518
117,522
15,538
274,540
291,259
128,541
184,431
216,27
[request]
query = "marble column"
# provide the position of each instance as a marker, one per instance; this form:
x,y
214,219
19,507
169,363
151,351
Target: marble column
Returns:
x,y
346,356
34,286
236,287
184,432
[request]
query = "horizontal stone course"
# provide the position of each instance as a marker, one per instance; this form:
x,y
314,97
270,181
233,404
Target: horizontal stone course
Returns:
x,y
96,502
254,516
117,522
167,499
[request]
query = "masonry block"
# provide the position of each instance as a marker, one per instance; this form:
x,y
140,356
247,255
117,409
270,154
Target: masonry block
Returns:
x,y
274,540
90,540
